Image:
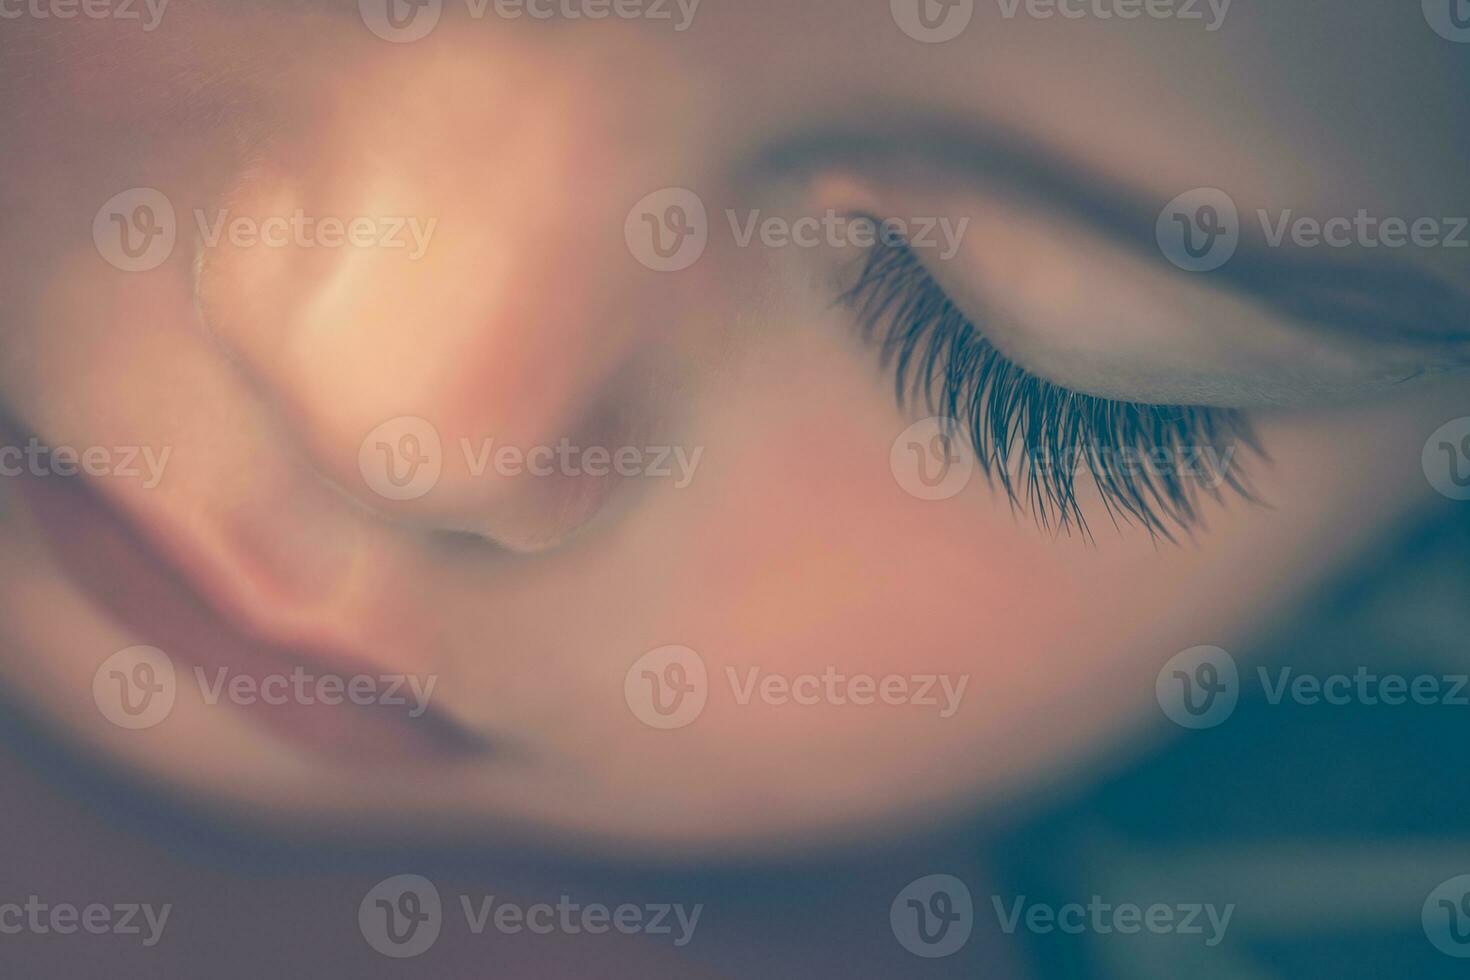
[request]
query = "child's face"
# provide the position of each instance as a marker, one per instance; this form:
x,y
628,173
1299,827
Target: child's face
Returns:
x,y
422,291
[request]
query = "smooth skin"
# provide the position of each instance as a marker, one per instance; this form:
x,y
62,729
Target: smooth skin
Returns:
x,y
794,549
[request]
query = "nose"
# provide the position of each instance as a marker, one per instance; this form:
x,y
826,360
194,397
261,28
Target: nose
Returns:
x,y
431,277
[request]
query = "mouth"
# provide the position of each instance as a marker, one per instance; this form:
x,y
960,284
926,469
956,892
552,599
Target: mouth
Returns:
x,y
313,696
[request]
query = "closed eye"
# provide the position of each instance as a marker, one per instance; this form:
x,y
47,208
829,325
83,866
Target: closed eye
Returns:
x,y
1153,465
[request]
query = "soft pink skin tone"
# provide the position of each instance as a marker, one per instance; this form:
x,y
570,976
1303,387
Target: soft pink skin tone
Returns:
x,y
794,548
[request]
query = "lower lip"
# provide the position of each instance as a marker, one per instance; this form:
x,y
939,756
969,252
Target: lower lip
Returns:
x,y
136,587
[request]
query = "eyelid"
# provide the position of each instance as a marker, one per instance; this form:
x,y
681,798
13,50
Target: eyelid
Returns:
x,y
1077,309
1385,303
941,358
1381,302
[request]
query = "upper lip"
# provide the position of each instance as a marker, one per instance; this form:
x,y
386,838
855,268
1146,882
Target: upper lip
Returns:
x,y
280,632
245,600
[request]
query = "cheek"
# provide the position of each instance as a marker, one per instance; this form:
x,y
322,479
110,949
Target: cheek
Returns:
x,y
811,557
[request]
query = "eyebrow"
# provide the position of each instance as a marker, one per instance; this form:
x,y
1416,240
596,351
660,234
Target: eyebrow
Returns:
x,y
1385,302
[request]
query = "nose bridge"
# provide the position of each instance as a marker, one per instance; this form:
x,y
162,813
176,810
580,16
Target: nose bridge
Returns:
x,y
486,286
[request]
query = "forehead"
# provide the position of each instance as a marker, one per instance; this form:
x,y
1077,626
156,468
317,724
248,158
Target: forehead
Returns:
x,y
1289,91
1312,104
1319,107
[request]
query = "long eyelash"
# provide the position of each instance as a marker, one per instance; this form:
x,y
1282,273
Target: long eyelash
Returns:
x,y
943,362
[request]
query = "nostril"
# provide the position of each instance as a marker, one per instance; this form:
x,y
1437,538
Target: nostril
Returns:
x,y
509,507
